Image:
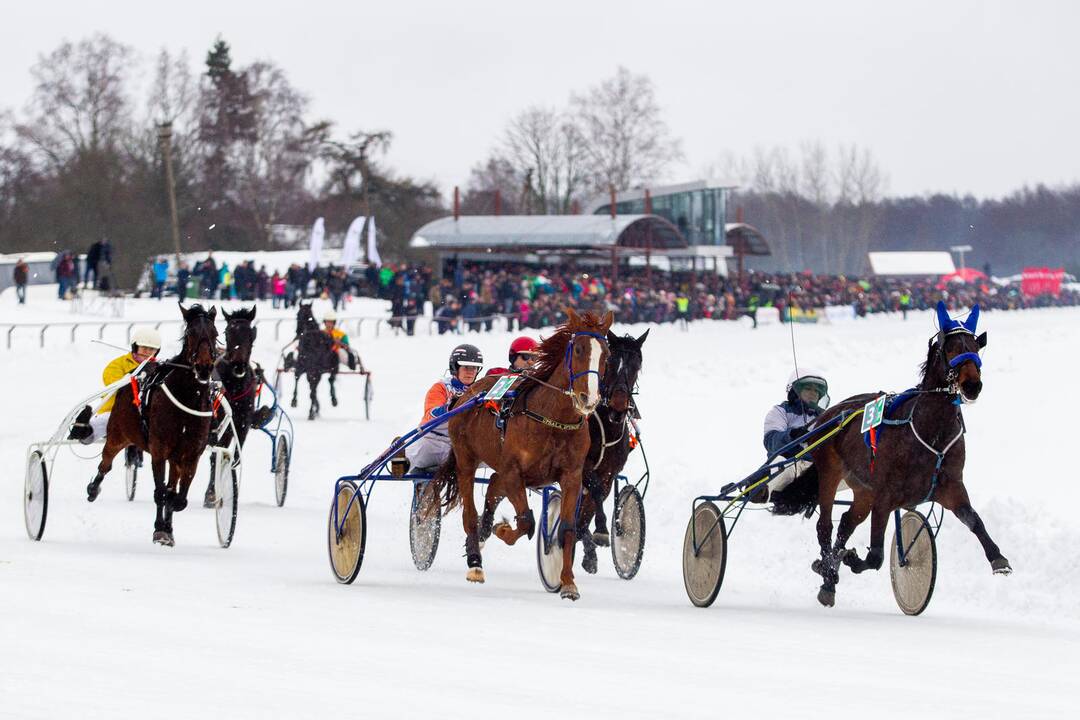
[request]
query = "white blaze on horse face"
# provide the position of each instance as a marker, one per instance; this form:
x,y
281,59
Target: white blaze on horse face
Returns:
x,y
595,352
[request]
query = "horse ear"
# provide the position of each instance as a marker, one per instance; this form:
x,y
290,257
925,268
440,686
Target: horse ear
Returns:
x,y
253,309
943,319
612,338
608,319
981,340
641,340
225,314
972,319
571,316
183,310
213,312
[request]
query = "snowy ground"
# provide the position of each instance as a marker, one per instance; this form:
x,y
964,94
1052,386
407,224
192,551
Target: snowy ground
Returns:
x,y
96,621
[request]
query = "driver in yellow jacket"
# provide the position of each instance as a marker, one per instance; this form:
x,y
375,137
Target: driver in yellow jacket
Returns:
x,y
88,426
346,354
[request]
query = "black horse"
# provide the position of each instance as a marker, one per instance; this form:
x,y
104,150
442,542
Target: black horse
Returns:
x,y
240,381
170,420
610,441
315,357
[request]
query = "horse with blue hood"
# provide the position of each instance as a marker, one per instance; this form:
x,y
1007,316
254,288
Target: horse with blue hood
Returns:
x,y
916,455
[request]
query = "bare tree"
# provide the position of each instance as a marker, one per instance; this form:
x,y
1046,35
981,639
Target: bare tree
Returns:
x,y
495,175
627,142
544,146
273,168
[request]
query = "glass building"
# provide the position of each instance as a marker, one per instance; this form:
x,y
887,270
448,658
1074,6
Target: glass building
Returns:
x,y
698,209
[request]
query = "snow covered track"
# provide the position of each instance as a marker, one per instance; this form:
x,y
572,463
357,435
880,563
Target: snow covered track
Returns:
x,y
96,621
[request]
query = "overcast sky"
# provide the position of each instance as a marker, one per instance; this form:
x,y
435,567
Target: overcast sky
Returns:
x,y
978,97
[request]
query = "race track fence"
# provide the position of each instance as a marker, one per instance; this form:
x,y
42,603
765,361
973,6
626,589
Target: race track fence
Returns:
x,y
356,323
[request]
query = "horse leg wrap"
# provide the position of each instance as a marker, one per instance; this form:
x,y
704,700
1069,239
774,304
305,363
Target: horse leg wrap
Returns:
x,y
177,503
472,551
486,522
874,557
527,522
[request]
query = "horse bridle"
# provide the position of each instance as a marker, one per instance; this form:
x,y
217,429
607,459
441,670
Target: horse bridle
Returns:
x,y
955,363
569,391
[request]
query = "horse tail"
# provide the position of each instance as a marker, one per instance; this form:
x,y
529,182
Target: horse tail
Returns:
x,y
446,480
798,498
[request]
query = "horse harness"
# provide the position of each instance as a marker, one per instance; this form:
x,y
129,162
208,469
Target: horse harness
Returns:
x,y
895,399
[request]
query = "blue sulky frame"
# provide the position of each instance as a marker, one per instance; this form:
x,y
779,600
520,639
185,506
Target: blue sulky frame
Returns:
x,y
734,497
283,428
363,483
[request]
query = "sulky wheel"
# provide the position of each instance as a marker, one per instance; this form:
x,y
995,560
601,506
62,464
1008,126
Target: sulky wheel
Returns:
x,y
225,506
132,463
369,395
549,550
703,571
423,531
36,495
913,580
281,470
346,548
628,544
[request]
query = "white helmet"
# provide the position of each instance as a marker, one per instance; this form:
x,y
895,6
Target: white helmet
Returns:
x,y
147,337
811,377
329,315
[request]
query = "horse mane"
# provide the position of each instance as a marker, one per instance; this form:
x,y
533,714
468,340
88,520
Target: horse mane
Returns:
x,y
930,369
551,353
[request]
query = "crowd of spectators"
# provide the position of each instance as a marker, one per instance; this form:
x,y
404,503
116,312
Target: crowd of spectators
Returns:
x,y
472,296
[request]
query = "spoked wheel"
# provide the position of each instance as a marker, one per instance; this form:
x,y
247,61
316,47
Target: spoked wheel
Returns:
x,y
36,495
369,395
132,461
703,571
225,508
423,532
913,581
549,549
281,470
346,548
628,544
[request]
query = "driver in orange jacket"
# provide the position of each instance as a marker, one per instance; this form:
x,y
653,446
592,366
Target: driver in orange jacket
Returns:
x,y
430,450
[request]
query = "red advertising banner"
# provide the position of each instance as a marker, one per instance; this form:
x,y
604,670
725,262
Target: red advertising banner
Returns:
x,y
1041,281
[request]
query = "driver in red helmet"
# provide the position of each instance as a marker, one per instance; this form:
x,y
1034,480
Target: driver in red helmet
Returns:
x,y
522,355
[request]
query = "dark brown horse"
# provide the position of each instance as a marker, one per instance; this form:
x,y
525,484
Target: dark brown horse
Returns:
x,y
173,423
239,381
609,435
315,357
546,440
918,459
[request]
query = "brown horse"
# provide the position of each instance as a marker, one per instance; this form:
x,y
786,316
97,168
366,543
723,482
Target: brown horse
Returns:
x,y
919,456
546,439
171,422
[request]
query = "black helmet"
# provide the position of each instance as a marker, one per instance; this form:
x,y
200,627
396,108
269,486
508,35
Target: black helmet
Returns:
x,y
467,355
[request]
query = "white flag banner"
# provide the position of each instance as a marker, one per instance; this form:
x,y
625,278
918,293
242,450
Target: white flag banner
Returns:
x,y
372,251
317,233
350,252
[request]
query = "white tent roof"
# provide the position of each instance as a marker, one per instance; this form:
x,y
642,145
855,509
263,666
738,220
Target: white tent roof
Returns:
x,y
912,263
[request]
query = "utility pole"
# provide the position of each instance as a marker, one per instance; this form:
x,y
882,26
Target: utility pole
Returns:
x,y
165,141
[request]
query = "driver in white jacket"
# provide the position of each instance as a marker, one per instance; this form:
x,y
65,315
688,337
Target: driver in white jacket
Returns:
x,y
807,397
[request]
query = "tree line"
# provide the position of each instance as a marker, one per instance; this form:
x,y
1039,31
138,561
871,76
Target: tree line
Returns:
x,y
83,160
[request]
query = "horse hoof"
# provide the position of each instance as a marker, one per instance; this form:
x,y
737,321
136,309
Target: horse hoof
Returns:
x,y
210,501
92,491
569,592
504,532
602,539
1001,566
588,563
816,567
333,401
826,597
475,575
292,404
163,538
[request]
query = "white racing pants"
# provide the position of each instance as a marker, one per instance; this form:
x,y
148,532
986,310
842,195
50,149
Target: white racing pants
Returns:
x,y
787,476
98,423
428,452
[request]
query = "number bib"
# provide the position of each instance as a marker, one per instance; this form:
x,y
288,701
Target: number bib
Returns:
x,y
873,413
